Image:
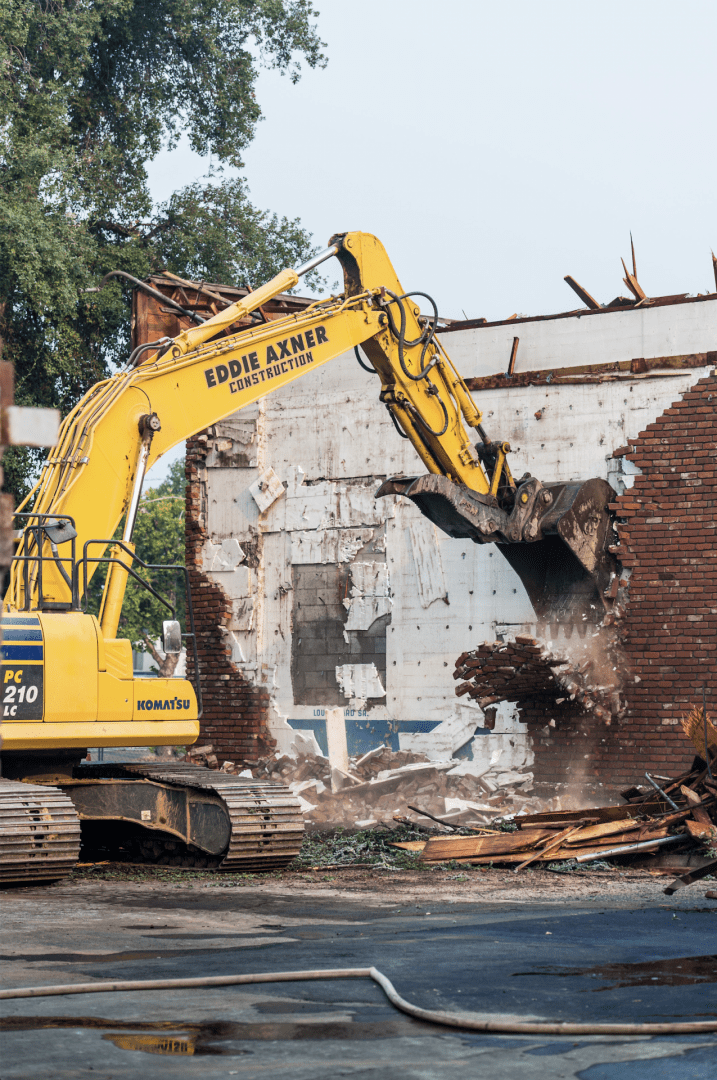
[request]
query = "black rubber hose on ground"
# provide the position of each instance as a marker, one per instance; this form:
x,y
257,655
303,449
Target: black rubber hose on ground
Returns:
x,y
453,1020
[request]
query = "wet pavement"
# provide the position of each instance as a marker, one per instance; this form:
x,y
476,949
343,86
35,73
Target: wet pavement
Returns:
x,y
571,960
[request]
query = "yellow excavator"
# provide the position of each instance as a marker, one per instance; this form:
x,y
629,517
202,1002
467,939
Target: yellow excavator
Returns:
x,y
67,679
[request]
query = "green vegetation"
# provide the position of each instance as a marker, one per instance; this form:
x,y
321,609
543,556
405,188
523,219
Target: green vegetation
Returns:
x,y
369,847
159,538
90,93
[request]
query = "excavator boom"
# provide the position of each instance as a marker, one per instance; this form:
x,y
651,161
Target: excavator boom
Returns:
x,y
107,443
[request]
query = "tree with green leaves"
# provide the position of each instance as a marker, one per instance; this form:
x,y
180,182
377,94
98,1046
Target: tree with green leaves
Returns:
x,y
158,539
90,92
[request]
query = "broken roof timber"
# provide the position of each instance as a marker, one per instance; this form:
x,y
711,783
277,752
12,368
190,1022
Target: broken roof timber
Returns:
x,y
620,303
638,368
150,319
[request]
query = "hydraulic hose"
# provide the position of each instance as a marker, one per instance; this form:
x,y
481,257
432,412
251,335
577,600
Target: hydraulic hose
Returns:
x,y
453,1020
366,367
426,336
416,414
135,355
396,423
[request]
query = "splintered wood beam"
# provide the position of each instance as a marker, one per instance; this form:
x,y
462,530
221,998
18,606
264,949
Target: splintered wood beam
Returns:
x,y
552,846
513,357
584,295
200,288
445,848
698,811
633,284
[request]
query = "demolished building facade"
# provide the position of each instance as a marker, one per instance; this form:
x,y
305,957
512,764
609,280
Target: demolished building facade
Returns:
x,y
319,605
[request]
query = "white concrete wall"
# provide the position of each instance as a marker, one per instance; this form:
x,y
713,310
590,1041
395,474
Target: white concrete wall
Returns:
x,y
330,442
600,338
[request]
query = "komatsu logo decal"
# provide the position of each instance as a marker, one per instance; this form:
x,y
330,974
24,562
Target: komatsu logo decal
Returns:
x,y
156,705
278,359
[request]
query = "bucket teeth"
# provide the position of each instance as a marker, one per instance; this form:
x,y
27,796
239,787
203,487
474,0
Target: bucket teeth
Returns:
x,y
556,537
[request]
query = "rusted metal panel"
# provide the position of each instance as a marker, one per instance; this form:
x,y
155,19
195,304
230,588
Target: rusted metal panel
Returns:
x,y
639,367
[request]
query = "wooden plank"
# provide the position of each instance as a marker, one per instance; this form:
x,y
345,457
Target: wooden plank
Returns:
x,y
443,848
701,830
561,854
606,828
698,811
555,843
584,295
411,845
599,813
692,876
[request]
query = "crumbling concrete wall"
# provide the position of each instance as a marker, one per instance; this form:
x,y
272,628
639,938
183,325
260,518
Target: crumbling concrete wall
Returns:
x,y
325,599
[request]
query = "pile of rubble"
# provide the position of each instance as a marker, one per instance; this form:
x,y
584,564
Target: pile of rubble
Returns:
x,y
677,815
386,784
523,670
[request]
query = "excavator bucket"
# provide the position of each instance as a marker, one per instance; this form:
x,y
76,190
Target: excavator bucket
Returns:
x,y
557,537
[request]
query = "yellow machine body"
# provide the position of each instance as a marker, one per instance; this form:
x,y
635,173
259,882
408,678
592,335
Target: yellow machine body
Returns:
x,y
64,685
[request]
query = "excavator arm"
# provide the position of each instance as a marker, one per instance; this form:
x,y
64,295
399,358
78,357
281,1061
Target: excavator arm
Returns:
x,y
124,424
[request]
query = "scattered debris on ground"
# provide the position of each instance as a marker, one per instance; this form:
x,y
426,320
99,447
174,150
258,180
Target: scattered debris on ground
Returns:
x,y
523,670
678,813
383,783
397,810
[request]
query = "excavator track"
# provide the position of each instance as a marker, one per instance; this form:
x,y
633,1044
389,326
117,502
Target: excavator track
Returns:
x,y
39,833
267,825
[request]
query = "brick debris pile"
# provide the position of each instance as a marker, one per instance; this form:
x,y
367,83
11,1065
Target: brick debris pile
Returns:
x,y
385,784
523,670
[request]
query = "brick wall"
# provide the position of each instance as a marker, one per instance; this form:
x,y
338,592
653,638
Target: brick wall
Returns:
x,y
666,523
235,711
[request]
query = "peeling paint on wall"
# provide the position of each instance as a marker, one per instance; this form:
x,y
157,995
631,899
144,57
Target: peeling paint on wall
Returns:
x,y
370,596
222,557
328,545
427,561
359,682
266,489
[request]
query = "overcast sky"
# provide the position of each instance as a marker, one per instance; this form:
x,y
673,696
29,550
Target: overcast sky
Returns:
x,y
496,147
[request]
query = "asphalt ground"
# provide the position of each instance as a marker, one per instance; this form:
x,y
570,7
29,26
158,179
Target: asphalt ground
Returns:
x,y
489,946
